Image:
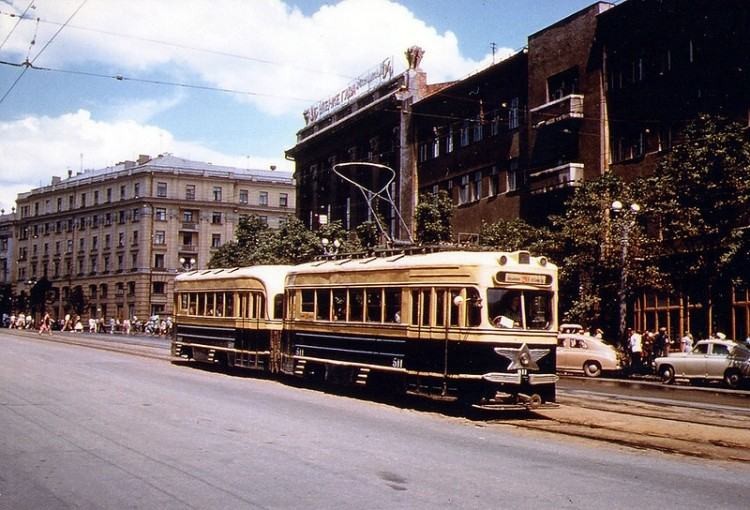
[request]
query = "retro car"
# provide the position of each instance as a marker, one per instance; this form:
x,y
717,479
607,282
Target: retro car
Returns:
x,y
585,354
710,360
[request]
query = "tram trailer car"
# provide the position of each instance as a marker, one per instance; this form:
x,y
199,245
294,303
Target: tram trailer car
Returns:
x,y
230,317
479,327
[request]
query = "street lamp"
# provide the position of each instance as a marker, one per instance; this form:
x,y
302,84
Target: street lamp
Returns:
x,y
330,248
187,263
629,216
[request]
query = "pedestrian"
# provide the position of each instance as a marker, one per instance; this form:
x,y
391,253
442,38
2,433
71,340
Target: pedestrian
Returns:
x,y
126,326
686,342
636,351
661,343
45,326
92,325
68,324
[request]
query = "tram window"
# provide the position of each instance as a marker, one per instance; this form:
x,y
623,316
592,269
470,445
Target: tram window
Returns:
x,y
426,295
414,307
356,304
339,305
184,302
504,308
454,308
393,305
219,302
374,304
538,309
473,307
193,310
439,307
323,297
245,305
229,304
260,301
308,301
278,306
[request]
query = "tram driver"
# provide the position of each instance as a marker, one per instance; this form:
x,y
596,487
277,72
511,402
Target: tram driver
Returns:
x,y
506,313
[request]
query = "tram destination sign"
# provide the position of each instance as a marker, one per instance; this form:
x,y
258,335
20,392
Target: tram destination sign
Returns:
x,y
363,83
526,278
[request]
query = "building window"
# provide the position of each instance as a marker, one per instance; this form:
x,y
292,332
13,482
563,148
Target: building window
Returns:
x,y
120,263
463,191
263,198
477,130
131,288
160,214
423,151
136,189
464,135
435,149
514,120
96,197
83,199
216,218
135,238
188,216
106,263
243,196
160,237
217,193
190,192
109,194
159,261
161,189
449,141
134,261
94,242
136,215
123,193
121,239
103,292
59,204
476,186
514,177
159,287
283,200
215,240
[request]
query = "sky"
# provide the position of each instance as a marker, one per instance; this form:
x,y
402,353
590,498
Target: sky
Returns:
x,y
220,81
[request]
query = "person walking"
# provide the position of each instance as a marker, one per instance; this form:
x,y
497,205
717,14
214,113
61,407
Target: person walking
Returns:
x,y
46,324
636,351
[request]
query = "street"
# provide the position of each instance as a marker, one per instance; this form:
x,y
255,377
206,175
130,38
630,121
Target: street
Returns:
x,y
85,428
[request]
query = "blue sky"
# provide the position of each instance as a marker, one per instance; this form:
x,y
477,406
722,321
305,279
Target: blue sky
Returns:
x,y
223,81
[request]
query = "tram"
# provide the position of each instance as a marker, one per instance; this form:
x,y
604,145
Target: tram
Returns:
x,y
473,326
231,317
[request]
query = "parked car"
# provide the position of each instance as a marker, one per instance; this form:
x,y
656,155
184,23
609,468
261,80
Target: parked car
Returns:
x,y
586,354
710,360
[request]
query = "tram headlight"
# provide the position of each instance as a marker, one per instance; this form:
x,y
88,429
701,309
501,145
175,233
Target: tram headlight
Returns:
x,y
524,358
542,261
503,260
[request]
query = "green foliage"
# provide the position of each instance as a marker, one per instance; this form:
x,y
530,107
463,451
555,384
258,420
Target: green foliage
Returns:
x,y
77,300
433,218
292,243
368,234
698,198
38,295
516,234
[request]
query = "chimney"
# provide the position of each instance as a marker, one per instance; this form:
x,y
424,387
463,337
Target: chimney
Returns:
x,y
55,180
143,159
70,173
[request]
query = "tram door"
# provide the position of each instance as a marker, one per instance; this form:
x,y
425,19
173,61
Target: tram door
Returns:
x,y
430,318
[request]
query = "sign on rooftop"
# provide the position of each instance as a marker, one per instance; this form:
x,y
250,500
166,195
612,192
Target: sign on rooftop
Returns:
x,y
363,83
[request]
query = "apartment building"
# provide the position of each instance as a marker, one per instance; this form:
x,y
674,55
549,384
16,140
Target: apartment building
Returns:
x,y
116,237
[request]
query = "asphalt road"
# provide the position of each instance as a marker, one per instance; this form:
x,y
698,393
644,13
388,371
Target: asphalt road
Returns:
x,y
85,428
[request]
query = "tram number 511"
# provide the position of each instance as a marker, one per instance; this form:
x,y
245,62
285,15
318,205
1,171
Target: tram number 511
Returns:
x,y
398,363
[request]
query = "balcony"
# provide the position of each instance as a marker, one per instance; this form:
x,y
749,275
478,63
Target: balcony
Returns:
x,y
559,110
189,248
562,176
189,226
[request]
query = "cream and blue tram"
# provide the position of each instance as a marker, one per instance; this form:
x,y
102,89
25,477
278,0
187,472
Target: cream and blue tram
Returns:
x,y
476,326
230,316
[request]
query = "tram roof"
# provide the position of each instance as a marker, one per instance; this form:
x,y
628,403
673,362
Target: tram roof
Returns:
x,y
267,274
426,260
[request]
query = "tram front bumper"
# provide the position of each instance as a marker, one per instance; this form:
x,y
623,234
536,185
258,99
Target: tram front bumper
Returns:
x,y
520,378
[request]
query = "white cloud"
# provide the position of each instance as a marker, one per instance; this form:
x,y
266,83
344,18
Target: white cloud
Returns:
x,y
34,149
304,58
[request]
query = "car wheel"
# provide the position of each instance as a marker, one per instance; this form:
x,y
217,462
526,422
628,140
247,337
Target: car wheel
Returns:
x,y
592,369
667,374
732,378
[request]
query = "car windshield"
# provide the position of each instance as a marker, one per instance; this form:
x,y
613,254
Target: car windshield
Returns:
x,y
520,309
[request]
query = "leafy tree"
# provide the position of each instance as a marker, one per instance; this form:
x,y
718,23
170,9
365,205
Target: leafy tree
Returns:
x,y
77,300
294,243
515,234
38,295
589,245
698,199
368,234
433,218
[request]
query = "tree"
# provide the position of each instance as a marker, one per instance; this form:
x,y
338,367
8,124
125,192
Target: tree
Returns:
x,y
433,218
77,300
589,247
698,200
515,234
38,295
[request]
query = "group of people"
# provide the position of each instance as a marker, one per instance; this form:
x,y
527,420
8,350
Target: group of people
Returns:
x,y
645,346
74,323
